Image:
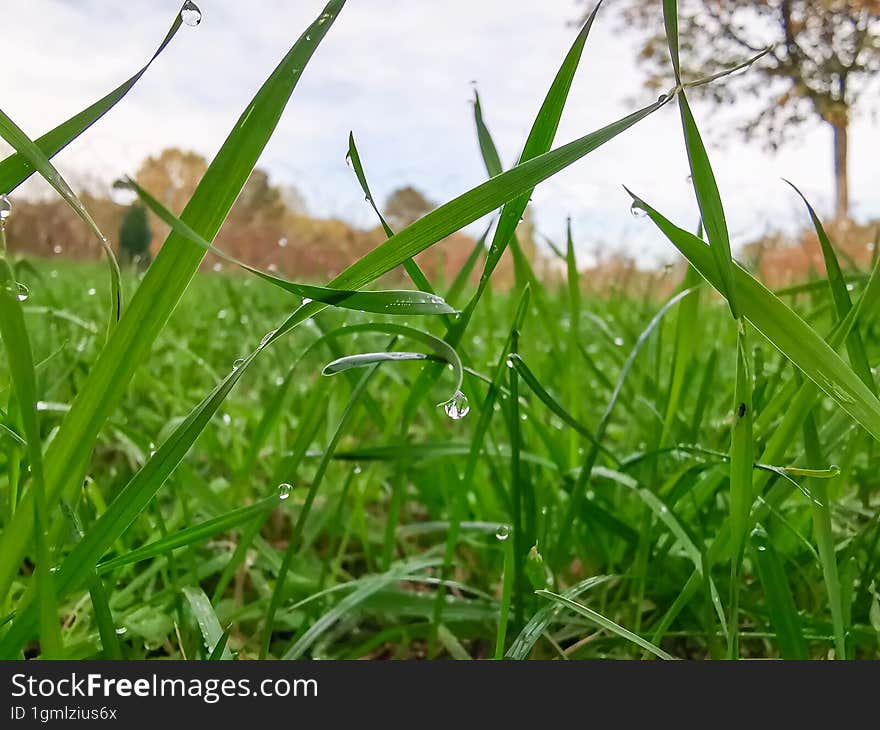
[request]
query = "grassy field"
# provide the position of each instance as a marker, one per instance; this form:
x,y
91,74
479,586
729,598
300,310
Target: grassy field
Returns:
x,y
212,466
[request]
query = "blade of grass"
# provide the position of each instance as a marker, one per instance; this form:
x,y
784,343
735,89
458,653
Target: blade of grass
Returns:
x,y
192,535
16,168
742,456
29,150
824,536
781,608
21,367
104,619
161,288
395,302
209,625
605,623
785,330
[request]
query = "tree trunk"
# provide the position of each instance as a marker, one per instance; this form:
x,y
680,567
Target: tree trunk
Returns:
x,y
841,178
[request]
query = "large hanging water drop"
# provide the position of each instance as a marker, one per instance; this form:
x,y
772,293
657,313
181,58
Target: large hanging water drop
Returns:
x,y
637,210
190,14
503,532
457,407
5,208
284,490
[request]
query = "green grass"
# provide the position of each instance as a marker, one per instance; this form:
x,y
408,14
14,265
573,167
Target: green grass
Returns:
x,y
627,477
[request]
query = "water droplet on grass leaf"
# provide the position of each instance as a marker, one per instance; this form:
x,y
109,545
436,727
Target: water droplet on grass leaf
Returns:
x,y
457,407
503,532
190,14
637,211
284,490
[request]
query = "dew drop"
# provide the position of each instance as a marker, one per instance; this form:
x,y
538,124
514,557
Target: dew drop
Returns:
x,y
618,341
217,267
121,631
92,291
21,291
5,208
282,242
190,14
238,363
222,314
284,490
227,419
306,300
509,362
273,268
637,211
457,407
503,532
268,336
57,249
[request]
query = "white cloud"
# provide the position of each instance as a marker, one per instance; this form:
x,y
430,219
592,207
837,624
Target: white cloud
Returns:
x,y
397,73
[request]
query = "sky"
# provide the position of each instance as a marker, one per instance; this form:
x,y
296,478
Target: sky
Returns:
x,y
400,75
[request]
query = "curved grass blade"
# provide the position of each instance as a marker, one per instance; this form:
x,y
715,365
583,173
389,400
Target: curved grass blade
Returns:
x,y
366,587
605,623
487,144
531,380
16,168
396,302
539,623
788,333
855,348
441,349
29,150
537,144
709,200
162,288
410,266
191,535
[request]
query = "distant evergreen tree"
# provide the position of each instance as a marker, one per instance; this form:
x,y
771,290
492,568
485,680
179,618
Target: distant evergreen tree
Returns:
x,y
135,235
